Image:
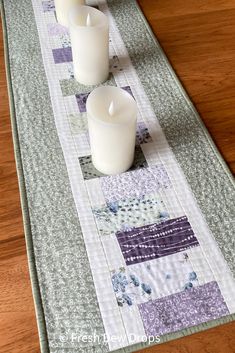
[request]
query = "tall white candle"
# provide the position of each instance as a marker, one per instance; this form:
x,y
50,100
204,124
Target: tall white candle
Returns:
x,y
89,32
62,8
111,114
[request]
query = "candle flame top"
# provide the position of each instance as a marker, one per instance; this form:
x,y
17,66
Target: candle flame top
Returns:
x,y
111,105
111,108
88,20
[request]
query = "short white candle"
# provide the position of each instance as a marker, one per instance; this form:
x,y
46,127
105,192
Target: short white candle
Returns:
x,y
89,32
112,114
62,8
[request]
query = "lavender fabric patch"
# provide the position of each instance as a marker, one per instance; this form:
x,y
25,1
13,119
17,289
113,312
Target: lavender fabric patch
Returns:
x,y
156,240
135,183
181,310
62,55
55,29
48,6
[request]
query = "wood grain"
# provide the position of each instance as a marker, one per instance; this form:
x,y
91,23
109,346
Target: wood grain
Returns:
x,y
199,40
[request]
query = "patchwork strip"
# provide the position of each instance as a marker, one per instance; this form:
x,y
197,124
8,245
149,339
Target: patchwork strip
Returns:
x,y
156,240
188,308
135,184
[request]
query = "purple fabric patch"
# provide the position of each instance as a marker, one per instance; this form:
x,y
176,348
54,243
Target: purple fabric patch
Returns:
x,y
181,310
81,101
156,240
55,29
128,89
62,55
135,183
48,6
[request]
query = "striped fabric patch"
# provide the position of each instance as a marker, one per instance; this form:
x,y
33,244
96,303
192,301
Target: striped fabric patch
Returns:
x,y
156,240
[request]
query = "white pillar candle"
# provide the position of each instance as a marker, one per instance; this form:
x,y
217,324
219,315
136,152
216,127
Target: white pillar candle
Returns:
x,y
62,8
112,114
89,32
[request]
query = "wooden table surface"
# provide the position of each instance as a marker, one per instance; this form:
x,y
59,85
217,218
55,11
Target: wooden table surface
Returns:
x,y
199,39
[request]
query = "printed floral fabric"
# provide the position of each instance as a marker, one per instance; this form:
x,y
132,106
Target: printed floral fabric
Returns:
x,y
184,309
128,287
134,184
154,279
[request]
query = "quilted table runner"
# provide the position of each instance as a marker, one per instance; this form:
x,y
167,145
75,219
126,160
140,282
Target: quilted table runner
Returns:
x,y
116,262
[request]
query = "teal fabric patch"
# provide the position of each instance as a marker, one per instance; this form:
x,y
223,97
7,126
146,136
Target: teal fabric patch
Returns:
x,y
126,214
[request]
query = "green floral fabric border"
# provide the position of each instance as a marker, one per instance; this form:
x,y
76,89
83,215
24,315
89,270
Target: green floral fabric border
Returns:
x,y
66,298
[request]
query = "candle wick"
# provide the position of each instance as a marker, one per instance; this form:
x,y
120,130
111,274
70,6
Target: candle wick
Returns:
x,y
111,108
88,20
